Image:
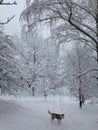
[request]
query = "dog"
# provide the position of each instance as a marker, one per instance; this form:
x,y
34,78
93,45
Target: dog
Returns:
x,y
56,116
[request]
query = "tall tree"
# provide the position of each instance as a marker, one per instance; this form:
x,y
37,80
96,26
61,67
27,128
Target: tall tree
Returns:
x,y
79,60
71,20
41,56
9,73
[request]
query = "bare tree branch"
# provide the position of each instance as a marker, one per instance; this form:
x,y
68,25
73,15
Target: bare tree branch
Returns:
x,y
86,72
79,28
8,20
13,3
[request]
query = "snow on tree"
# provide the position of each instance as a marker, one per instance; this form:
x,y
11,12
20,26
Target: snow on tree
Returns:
x,y
41,58
69,20
78,61
38,62
9,73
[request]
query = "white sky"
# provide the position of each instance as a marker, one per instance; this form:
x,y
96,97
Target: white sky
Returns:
x,y
10,10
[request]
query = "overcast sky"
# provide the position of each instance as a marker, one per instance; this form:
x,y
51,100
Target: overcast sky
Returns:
x,y
10,10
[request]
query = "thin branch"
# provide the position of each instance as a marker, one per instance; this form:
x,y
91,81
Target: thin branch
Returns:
x,y
86,10
88,27
13,3
41,20
79,28
86,72
8,20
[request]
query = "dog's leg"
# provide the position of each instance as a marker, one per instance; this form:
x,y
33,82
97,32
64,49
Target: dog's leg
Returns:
x,y
59,122
52,118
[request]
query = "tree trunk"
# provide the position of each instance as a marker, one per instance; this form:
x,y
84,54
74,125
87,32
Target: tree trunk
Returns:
x,y
33,91
97,37
80,98
97,31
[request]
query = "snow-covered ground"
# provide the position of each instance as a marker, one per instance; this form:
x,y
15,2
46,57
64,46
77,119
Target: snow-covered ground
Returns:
x,y
31,113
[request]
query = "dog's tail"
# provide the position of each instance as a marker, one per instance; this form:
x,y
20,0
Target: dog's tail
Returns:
x,y
49,112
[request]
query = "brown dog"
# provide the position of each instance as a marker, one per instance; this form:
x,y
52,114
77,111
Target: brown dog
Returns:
x,y
56,116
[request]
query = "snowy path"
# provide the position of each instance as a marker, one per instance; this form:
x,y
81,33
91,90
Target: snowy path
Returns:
x,y
31,114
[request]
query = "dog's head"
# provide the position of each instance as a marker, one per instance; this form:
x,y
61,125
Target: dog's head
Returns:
x,y
62,116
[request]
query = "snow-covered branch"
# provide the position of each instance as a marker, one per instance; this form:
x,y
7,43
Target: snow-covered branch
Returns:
x,y
86,72
9,3
8,20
